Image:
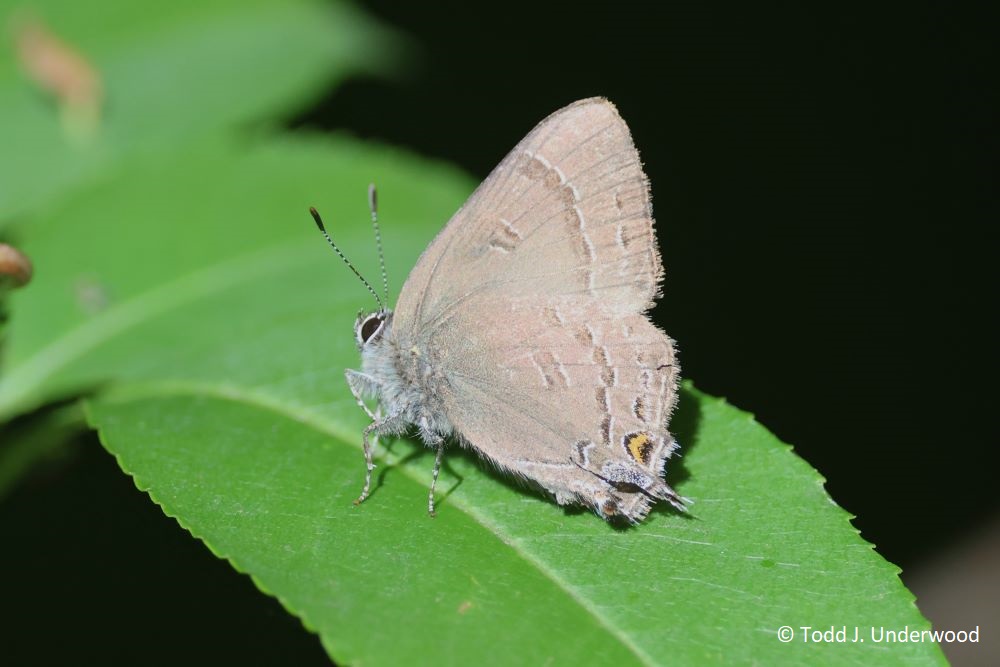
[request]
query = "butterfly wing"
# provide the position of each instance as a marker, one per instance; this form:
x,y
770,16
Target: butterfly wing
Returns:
x,y
530,303
566,212
569,394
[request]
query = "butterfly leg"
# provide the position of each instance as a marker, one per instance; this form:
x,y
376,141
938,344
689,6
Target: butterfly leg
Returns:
x,y
361,384
434,440
377,434
369,466
434,476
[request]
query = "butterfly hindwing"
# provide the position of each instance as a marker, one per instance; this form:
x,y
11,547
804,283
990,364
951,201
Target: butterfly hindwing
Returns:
x,y
575,397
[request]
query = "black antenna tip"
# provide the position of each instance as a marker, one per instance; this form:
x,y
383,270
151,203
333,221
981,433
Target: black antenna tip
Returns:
x,y
319,220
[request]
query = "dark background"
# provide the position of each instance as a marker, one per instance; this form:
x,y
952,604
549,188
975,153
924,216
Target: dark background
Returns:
x,y
823,188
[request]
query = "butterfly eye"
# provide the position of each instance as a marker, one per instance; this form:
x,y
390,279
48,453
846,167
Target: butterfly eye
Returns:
x,y
370,327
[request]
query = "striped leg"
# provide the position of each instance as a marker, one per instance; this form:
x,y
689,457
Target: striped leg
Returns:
x,y
434,475
369,466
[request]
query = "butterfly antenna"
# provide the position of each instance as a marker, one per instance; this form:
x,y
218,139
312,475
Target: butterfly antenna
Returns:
x,y
373,207
319,223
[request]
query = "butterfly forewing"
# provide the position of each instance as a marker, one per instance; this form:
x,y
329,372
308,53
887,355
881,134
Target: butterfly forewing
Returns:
x,y
566,212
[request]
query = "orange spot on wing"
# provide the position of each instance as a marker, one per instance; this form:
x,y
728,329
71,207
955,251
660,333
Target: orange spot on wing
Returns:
x,y
639,445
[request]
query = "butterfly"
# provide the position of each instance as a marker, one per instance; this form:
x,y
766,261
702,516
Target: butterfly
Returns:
x,y
522,333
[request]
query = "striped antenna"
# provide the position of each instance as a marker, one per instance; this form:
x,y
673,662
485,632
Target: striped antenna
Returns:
x,y
373,207
319,223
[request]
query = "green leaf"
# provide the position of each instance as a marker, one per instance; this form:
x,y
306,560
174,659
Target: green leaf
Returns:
x,y
501,572
170,71
219,326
